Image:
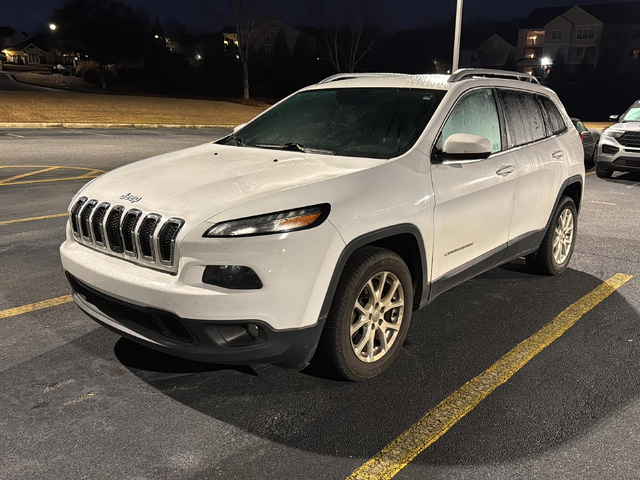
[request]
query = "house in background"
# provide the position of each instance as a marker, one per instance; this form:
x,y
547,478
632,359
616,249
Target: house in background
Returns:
x,y
264,33
492,53
582,33
10,36
38,50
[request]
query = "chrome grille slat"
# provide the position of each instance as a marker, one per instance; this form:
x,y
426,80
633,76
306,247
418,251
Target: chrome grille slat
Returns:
x,y
166,240
113,229
75,223
97,224
128,232
145,238
84,224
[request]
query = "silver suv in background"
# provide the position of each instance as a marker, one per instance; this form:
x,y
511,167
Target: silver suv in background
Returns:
x,y
619,148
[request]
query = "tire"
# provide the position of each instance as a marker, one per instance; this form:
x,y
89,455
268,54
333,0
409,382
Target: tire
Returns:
x,y
590,162
603,172
337,347
546,261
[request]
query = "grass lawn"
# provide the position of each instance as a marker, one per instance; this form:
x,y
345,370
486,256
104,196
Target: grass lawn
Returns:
x,y
71,107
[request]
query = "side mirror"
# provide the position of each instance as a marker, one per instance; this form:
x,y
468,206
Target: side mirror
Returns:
x,y
465,148
238,127
614,118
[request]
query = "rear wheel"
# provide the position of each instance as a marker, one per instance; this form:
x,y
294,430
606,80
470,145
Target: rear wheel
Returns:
x,y
556,249
369,317
602,171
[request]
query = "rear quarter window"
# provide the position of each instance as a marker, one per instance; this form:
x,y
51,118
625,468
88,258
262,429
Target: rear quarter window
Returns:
x,y
555,120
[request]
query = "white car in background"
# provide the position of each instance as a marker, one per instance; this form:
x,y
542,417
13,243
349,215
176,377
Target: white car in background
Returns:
x,y
316,230
619,147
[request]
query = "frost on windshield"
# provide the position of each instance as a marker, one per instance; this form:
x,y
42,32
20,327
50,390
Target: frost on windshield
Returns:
x,y
362,122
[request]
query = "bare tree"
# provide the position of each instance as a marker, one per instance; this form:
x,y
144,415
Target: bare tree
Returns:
x,y
238,10
347,42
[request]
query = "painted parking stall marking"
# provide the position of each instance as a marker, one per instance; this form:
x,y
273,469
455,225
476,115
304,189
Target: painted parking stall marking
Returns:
x,y
31,219
437,421
32,307
29,174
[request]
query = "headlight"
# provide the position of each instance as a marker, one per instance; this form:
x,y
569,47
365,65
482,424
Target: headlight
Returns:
x,y
279,222
610,132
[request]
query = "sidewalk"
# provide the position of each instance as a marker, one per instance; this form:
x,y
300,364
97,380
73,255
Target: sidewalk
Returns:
x,y
118,110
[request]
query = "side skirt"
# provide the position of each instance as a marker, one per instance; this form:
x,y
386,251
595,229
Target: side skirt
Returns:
x,y
519,247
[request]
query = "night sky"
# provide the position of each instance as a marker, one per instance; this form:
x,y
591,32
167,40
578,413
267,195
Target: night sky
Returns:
x,y
393,14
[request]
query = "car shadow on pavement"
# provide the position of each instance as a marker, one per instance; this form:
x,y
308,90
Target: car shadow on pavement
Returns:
x,y
583,377
623,178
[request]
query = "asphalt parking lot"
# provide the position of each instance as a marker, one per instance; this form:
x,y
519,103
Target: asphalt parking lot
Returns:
x,y
78,401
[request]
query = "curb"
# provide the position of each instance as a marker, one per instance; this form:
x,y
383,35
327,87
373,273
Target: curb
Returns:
x,y
5,125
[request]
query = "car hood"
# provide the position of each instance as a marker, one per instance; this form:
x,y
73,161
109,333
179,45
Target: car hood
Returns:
x,y
630,126
198,183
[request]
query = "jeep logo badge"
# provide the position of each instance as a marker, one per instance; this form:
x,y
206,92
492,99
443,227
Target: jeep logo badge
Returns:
x,y
131,198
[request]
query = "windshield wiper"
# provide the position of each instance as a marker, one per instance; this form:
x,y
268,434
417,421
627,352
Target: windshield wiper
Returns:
x,y
293,146
283,146
238,140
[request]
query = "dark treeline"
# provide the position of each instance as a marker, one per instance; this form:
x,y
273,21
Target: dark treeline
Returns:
x,y
129,49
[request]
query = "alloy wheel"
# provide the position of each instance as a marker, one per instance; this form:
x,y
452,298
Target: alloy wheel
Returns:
x,y
563,237
376,317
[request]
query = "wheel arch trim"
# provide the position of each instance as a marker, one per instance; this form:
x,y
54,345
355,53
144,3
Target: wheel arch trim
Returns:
x,y
366,239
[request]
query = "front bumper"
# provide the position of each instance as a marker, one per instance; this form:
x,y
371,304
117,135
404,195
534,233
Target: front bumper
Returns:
x,y
625,159
214,342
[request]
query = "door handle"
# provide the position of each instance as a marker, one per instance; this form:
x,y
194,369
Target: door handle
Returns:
x,y
505,170
557,154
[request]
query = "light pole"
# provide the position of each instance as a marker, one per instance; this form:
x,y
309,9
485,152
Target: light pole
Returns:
x,y
52,27
456,38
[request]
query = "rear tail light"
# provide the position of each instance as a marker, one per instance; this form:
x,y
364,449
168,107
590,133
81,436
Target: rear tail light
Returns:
x,y
581,137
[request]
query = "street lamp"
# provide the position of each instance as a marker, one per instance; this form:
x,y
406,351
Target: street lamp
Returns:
x,y
456,38
52,27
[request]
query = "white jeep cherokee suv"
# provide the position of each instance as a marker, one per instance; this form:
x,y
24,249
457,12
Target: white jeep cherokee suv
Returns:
x,y
317,229
619,147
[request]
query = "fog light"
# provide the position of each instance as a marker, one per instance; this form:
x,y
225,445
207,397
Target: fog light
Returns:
x,y
610,149
234,277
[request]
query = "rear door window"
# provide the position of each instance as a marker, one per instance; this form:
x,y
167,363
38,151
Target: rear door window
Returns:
x,y
555,120
523,117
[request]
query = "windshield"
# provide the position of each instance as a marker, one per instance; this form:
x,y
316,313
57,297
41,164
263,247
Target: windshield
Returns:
x,y
632,115
358,122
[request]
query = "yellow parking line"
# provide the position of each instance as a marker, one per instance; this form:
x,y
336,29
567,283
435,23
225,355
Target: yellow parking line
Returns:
x,y
30,219
82,177
435,423
32,307
45,166
28,174
590,173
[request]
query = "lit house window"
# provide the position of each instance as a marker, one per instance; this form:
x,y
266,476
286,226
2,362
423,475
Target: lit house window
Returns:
x,y
635,54
557,34
585,33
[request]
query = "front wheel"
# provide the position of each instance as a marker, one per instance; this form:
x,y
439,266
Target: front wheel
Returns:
x,y
603,172
369,317
552,258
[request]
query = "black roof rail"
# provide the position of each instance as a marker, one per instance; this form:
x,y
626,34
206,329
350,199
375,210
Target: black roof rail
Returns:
x,y
466,73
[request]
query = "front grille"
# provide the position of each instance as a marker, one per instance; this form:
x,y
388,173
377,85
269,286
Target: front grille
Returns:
x,y
627,162
148,322
126,233
630,139
97,222
75,224
84,219
113,229
167,237
147,228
